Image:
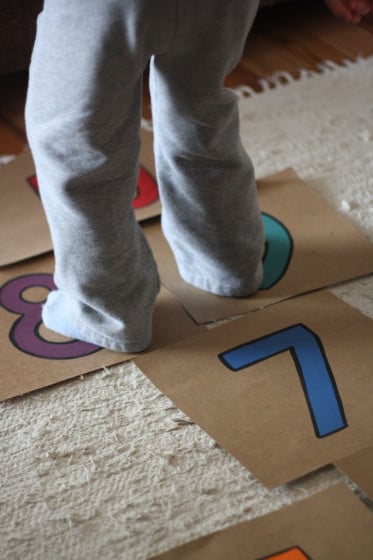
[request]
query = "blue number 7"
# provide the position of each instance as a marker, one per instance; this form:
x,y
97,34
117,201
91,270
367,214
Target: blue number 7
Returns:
x,y
320,390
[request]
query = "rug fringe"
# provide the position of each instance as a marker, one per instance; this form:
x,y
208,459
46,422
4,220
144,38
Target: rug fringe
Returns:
x,y
282,78
146,124
279,79
4,159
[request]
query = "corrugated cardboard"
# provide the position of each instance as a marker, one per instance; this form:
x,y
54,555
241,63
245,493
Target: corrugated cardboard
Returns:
x,y
331,525
261,413
326,249
24,232
359,468
20,371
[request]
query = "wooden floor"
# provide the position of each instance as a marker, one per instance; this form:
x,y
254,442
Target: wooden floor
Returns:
x,y
289,36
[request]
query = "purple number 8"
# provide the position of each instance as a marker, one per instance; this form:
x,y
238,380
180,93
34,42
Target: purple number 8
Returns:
x,y
24,333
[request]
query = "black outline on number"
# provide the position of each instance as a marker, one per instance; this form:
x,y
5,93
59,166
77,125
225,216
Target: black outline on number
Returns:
x,y
299,368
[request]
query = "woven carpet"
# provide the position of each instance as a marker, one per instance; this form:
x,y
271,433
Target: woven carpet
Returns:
x,y
105,466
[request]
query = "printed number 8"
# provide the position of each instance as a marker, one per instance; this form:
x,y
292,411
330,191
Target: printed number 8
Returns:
x,y
24,333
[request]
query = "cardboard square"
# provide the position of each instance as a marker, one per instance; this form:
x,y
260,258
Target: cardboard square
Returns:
x,y
24,232
331,525
33,357
303,401
309,246
359,468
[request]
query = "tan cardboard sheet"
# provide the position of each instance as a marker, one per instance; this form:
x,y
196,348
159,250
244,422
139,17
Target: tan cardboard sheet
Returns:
x,y
309,246
24,231
331,525
359,468
23,228
33,357
285,390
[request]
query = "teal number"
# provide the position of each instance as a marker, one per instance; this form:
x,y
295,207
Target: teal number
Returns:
x,y
279,249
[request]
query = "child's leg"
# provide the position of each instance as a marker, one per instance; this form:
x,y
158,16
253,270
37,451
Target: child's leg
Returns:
x,y
210,211
83,114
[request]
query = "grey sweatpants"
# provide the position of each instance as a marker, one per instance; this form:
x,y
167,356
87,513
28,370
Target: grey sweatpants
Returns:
x,y
83,115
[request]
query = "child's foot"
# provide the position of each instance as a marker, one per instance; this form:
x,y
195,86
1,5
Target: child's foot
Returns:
x,y
56,318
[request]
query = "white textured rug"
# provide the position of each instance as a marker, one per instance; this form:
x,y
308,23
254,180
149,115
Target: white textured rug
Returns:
x,y
105,466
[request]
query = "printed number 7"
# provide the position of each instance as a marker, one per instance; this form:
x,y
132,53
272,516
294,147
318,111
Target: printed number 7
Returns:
x,y
320,390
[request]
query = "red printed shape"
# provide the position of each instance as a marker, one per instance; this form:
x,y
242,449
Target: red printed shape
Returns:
x,y
147,190
33,181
